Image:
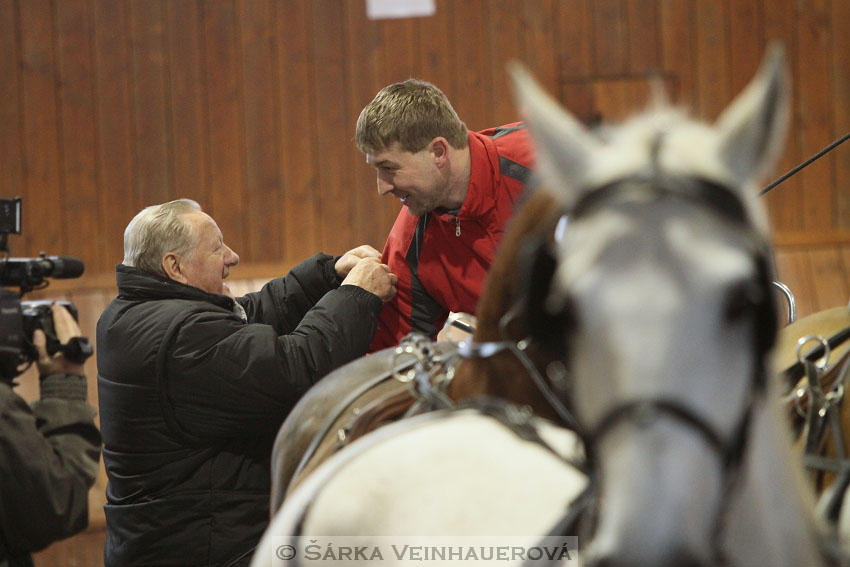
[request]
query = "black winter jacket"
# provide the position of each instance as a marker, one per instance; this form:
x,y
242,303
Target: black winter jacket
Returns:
x,y
49,455
191,398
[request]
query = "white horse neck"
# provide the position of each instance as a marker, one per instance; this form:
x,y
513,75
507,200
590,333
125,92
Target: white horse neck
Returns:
x,y
773,512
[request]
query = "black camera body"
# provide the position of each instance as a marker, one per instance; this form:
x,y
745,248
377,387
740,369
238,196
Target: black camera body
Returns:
x,y
20,319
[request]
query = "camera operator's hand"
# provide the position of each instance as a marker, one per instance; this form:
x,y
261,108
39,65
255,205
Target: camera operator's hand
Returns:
x,y
66,328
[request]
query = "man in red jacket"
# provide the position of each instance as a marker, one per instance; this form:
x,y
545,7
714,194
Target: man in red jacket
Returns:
x,y
458,188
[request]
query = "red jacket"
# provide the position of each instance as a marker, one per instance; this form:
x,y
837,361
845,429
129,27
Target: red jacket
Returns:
x,y
441,258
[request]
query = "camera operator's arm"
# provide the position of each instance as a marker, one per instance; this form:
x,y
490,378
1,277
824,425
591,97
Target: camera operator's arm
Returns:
x,y
48,452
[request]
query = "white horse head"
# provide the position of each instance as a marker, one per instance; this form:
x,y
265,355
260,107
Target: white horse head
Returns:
x,y
661,274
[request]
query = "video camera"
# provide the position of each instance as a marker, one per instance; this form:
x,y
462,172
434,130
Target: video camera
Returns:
x,y
19,319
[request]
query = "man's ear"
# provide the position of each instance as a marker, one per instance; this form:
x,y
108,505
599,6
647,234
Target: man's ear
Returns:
x,y
439,148
171,267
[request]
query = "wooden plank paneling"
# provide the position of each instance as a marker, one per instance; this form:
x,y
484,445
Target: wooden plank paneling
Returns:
x,y
619,99
830,281
814,108
505,35
224,122
644,38
746,42
299,152
434,39
150,102
471,75
844,251
677,49
373,215
610,37
794,269
576,65
786,201
261,129
840,96
249,105
712,58
400,62
188,102
43,198
118,199
539,46
79,176
574,20
335,216
11,164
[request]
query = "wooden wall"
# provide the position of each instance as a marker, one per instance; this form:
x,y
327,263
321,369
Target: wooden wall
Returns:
x,y
248,106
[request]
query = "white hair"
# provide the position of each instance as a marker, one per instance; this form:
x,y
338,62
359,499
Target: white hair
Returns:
x,y
156,231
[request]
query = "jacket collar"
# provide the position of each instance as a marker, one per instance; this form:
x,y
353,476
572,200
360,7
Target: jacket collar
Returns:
x,y
483,171
136,284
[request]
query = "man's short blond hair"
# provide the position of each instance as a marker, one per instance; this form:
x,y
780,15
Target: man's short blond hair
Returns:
x,y
411,113
156,231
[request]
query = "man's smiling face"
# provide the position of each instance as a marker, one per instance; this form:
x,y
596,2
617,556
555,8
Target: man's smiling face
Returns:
x,y
208,263
413,178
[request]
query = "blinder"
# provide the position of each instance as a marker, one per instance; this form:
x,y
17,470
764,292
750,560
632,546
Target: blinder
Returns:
x,y
552,327
537,265
538,260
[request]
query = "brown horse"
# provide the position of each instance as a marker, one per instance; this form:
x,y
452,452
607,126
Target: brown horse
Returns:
x,y
364,394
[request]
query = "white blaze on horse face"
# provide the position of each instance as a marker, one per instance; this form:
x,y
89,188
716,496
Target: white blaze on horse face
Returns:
x,y
650,290
650,283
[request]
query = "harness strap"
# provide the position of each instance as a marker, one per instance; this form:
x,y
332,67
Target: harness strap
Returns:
x,y
380,412
794,372
469,349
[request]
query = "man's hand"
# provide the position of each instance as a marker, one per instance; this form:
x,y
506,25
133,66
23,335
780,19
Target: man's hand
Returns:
x,y
373,276
348,260
66,328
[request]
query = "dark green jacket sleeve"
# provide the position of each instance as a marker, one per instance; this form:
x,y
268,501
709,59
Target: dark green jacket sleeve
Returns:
x,y
49,457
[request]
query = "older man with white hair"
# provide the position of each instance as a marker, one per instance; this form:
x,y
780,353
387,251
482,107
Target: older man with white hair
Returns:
x,y
193,384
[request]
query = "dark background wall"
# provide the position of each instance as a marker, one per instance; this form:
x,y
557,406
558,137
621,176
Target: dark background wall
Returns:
x,y
248,106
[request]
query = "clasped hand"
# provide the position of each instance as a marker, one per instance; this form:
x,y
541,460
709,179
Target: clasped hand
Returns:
x,y
362,267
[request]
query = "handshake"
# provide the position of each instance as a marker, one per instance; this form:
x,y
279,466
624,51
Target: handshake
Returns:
x,y
362,267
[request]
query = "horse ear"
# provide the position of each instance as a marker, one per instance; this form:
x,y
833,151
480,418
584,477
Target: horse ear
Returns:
x,y
753,127
563,146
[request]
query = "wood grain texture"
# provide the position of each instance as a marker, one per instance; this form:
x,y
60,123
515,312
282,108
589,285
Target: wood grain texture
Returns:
x,y
249,107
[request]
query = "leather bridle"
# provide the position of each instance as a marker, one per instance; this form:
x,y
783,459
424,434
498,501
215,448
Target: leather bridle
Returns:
x,y
724,203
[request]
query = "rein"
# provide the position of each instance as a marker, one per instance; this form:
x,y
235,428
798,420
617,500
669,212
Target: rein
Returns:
x,y
806,163
469,349
726,204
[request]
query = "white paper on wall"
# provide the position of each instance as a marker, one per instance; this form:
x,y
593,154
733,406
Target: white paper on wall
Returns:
x,y
382,9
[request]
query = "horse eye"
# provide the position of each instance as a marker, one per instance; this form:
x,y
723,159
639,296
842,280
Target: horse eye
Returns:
x,y
741,298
